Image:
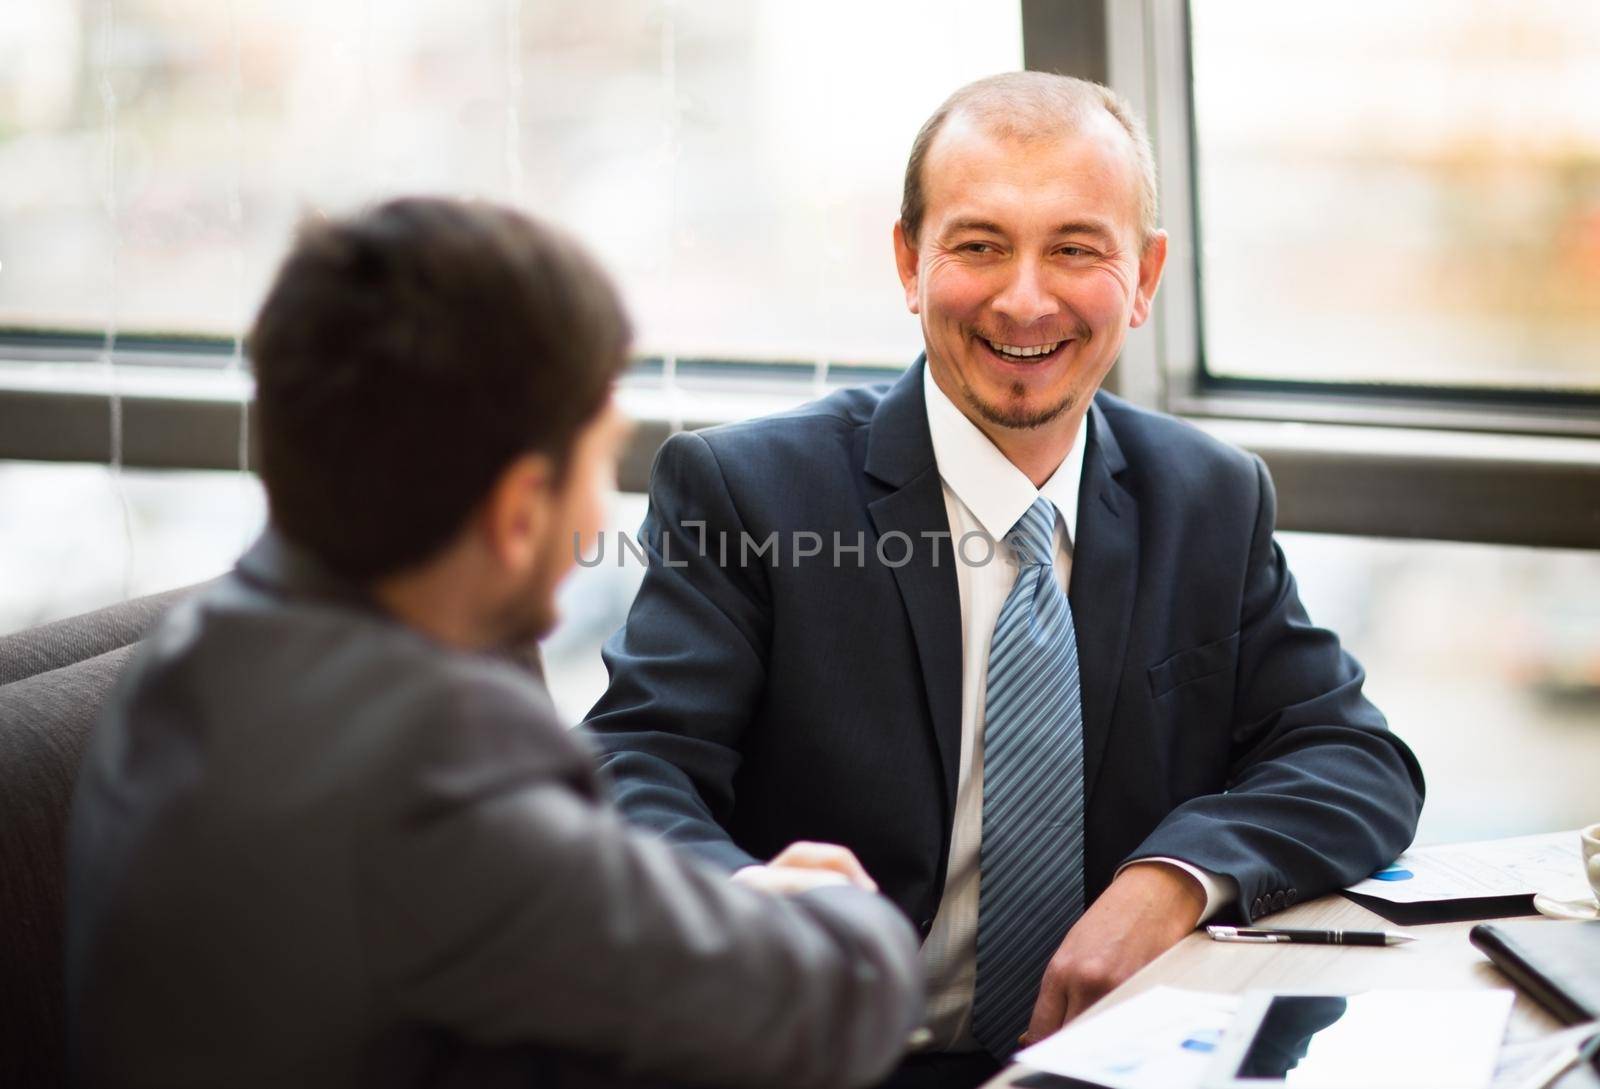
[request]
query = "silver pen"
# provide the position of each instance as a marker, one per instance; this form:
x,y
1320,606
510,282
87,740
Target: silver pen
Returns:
x,y
1269,935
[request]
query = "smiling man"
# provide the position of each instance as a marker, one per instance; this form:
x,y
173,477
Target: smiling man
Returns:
x,y
1047,672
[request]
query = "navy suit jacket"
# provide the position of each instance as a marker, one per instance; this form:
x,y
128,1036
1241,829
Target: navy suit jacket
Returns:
x,y
759,699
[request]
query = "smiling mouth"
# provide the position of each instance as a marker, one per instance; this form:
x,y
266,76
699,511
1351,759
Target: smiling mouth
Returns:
x,y
1021,353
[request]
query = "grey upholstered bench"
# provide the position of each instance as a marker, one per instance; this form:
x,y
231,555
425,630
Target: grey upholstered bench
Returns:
x,y
53,679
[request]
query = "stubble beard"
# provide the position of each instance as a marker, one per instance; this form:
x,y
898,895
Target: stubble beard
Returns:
x,y
528,614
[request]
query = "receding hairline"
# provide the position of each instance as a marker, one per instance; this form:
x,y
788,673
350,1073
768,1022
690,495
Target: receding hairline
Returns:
x,y
1031,106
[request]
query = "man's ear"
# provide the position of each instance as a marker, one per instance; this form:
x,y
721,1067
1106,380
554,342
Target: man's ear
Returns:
x,y
905,260
1151,262
517,511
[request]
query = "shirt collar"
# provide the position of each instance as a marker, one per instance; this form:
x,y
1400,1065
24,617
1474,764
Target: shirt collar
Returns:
x,y
994,490
281,566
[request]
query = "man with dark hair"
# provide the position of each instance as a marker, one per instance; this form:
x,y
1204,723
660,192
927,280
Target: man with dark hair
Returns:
x,y
1046,672
329,833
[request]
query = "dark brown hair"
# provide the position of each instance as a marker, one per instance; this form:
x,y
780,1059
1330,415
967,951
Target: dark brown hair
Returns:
x,y
406,355
1028,105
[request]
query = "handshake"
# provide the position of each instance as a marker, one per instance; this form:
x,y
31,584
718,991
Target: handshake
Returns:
x,y
802,866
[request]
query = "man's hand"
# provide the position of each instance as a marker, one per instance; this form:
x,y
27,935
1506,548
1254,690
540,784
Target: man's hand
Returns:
x,y
801,866
1146,910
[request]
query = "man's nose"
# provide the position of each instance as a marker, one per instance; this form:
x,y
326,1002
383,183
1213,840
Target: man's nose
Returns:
x,y
1025,298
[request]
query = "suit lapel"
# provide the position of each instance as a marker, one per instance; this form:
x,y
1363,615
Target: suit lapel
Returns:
x,y
910,500
1105,561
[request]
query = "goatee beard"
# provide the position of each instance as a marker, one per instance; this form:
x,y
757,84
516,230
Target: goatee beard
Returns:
x,y
1018,417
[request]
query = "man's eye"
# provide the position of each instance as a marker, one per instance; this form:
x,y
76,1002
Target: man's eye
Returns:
x,y
1074,251
977,247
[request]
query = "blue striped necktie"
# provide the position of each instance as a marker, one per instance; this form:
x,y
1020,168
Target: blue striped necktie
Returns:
x,y
1030,884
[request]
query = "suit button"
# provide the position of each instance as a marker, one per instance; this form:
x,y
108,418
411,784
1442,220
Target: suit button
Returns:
x,y
1256,908
926,927
1294,895
1279,898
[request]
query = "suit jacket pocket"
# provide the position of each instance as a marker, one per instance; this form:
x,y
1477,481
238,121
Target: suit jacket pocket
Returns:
x,y
1193,664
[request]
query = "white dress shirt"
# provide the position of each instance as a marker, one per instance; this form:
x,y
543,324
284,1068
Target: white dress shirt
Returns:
x,y
984,495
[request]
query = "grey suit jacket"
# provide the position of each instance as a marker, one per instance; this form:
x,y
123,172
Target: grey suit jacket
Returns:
x,y
310,847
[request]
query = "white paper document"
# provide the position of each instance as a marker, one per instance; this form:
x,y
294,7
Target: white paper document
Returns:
x,y
1161,1039
1550,863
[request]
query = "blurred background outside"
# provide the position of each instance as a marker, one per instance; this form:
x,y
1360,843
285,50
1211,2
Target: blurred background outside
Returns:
x,y
1404,192
1400,192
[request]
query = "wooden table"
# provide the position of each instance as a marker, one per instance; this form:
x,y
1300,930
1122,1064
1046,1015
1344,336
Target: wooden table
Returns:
x,y
1441,957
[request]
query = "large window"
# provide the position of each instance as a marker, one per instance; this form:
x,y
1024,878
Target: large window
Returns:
x,y
1404,192
735,163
